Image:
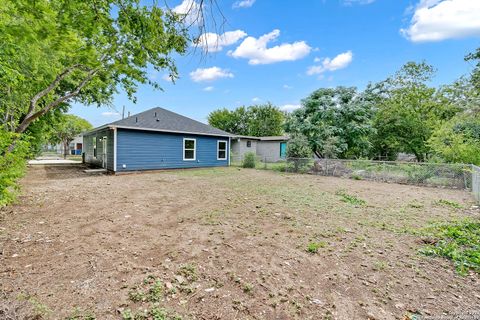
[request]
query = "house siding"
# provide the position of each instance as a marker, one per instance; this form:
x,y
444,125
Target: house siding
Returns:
x,y
147,150
88,148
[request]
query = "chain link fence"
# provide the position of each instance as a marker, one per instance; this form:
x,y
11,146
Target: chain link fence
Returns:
x,y
457,176
476,182
443,175
260,162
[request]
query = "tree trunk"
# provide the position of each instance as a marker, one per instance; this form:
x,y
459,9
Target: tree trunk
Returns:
x,y
65,149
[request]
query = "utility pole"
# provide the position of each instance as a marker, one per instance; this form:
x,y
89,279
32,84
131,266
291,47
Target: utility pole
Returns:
x,y
123,113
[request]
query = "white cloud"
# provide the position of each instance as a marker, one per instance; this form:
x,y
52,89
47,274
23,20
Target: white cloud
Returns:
x,y
256,99
286,86
352,2
317,59
290,107
209,88
243,4
110,114
213,42
257,52
436,20
339,62
210,74
191,10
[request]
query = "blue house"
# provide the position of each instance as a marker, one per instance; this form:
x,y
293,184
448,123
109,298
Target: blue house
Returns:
x,y
156,139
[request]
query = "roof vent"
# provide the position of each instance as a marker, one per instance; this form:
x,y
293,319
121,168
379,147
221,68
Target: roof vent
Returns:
x,y
158,120
136,119
155,114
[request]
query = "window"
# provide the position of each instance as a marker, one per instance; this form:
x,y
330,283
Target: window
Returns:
x,y
249,144
94,142
222,150
189,149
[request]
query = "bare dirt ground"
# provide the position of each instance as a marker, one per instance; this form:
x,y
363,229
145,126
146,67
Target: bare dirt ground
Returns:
x,y
226,243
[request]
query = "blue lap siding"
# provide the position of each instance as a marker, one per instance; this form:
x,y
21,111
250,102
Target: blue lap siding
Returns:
x,y
148,150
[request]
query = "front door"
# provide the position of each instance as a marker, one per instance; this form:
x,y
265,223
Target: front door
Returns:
x,y
104,152
283,150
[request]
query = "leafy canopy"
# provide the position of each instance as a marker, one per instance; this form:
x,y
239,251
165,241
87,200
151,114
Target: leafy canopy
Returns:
x,y
458,140
56,52
69,127
335,121
256,120
408,111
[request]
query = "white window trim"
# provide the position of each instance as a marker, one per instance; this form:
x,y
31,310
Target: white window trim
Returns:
x,y
194,149
226,149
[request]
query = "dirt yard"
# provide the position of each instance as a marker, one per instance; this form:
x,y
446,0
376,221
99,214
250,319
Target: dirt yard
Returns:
x,y
225,243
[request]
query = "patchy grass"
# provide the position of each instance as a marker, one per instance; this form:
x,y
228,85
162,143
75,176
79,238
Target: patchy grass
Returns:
x,y
350,198
243,241
189,271
154,313
149,295
79,314
457,241
41,310
247,288
449,203
314,246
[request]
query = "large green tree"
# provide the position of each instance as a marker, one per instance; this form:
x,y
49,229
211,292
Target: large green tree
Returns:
x,y
475,76
458,140
256,120
68,127
335,121
57,52
265,120
233,121
408,111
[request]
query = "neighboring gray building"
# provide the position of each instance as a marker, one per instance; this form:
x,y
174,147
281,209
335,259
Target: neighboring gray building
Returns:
x,y
269,149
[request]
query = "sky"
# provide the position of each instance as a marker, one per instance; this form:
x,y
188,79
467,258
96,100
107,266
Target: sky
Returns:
x,y
280,51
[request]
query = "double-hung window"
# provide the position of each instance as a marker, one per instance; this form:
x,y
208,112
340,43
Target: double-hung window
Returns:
x,y
221,150
189,149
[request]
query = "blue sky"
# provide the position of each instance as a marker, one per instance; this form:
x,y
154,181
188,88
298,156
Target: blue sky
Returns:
x,y
281,51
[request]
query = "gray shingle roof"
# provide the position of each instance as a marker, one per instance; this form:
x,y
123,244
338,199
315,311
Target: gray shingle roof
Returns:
x,y
160,119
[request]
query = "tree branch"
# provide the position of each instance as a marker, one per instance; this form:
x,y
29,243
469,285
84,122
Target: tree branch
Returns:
x,y
52,85
30,117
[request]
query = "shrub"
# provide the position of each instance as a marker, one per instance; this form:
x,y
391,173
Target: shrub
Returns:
x,y
12,165
249,160
298,147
